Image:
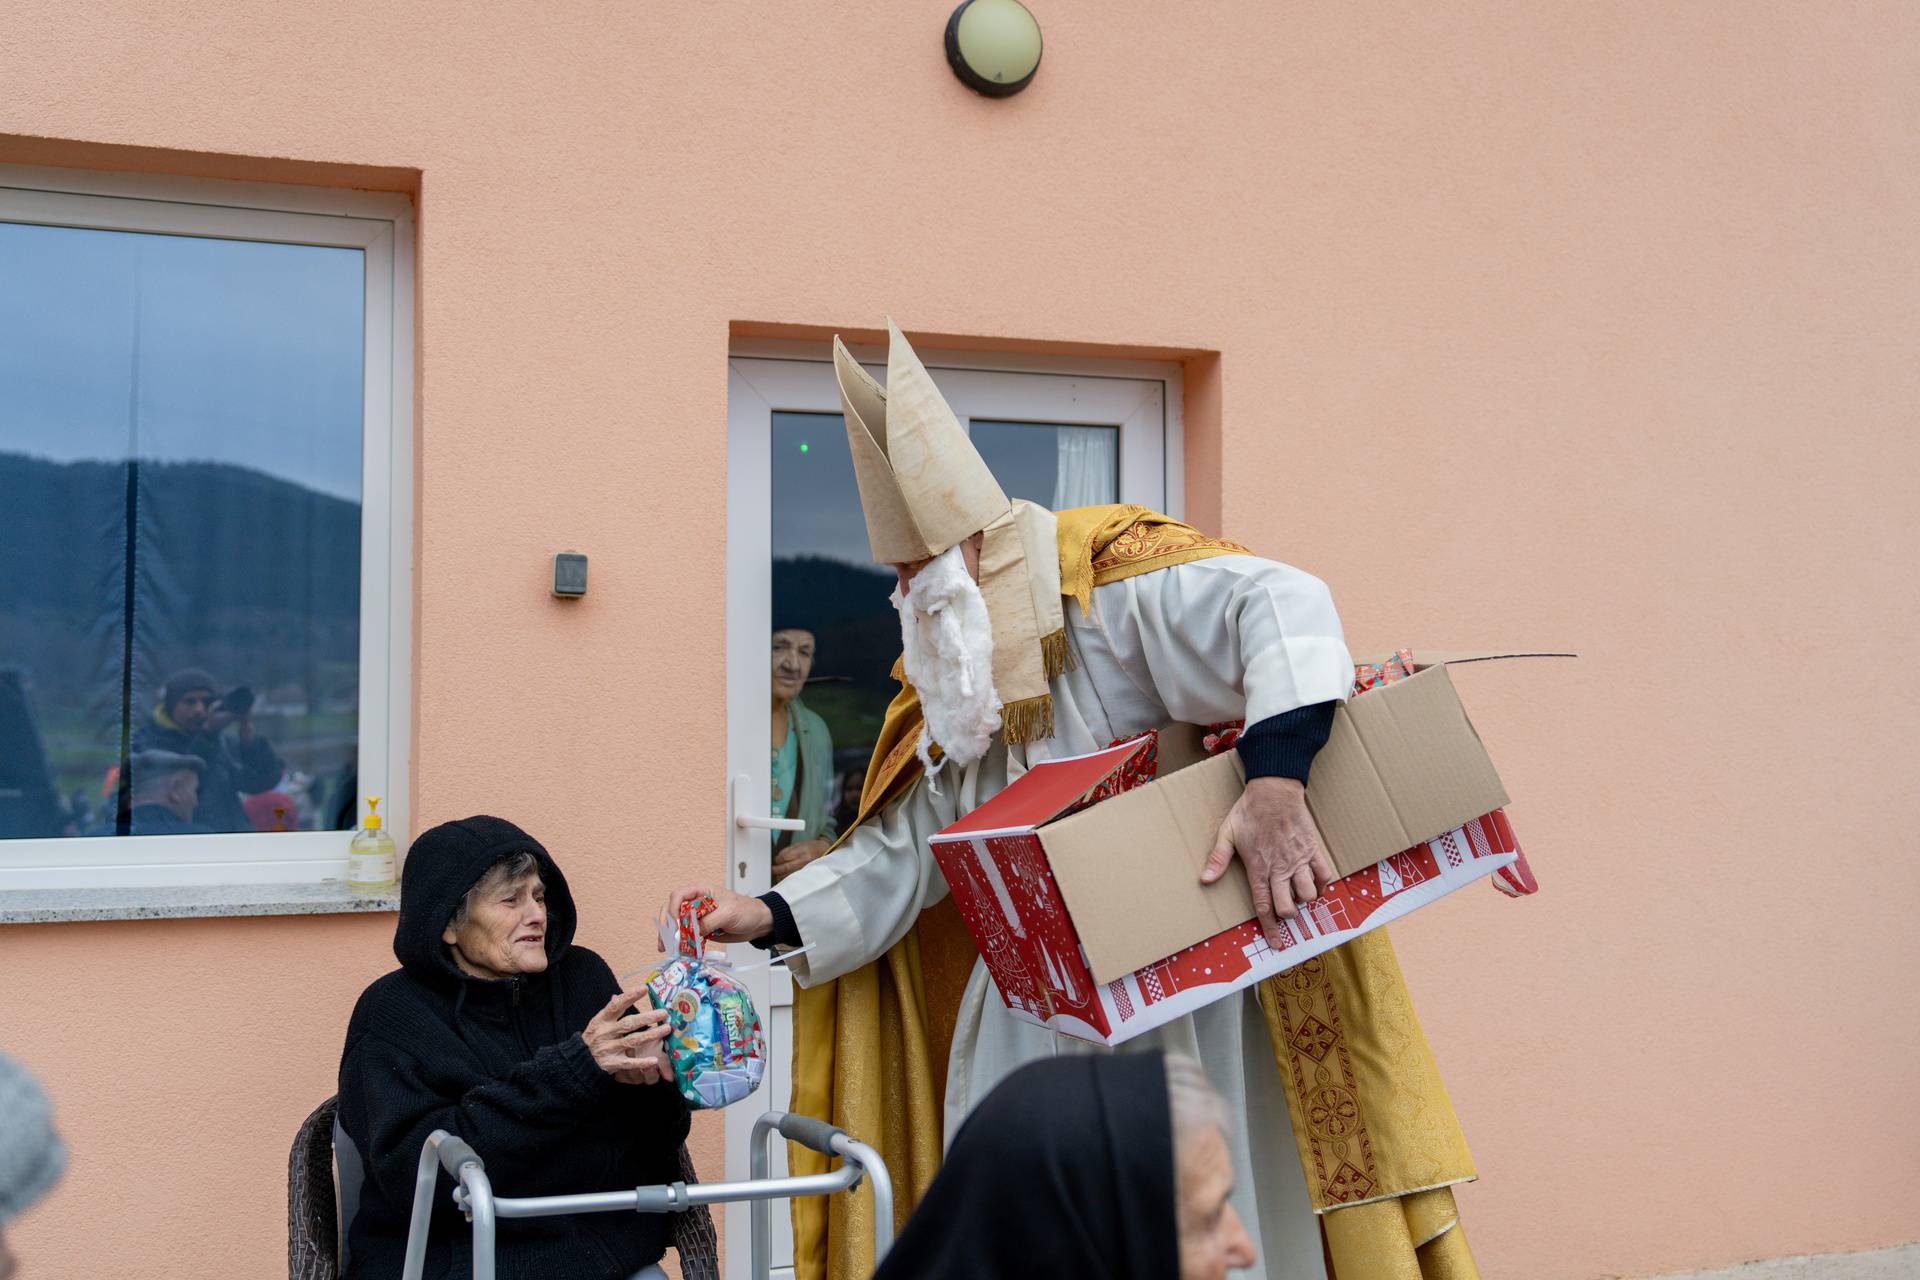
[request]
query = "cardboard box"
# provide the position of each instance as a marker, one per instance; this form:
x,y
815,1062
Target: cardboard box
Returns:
x,y
1092,920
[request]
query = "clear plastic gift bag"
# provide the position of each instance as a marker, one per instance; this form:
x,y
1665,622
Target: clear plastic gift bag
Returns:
x,y
716,1046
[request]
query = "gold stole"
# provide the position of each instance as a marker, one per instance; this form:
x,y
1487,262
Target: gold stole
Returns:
x,y
1376,1134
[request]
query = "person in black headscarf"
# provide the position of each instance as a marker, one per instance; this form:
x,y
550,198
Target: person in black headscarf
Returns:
x,y
1083,1167
496,1028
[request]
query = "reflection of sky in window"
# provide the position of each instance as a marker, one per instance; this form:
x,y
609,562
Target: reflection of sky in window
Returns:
x,y
247,353
816,501
1025,456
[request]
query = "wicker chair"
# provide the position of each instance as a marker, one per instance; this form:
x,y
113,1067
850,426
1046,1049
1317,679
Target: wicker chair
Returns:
x,y
313,1215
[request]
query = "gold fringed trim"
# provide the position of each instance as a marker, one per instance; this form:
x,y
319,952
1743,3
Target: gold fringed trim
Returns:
x,y
1081,533
1028,720
1100,545
1055,652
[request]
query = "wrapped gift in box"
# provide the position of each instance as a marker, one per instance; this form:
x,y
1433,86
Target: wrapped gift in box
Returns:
x,y
1080,881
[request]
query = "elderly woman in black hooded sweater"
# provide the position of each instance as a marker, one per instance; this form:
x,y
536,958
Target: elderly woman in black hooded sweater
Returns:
x,y
497,1029
1089,1166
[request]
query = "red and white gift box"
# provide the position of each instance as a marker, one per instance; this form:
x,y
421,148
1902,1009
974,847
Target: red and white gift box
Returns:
x,y
997,869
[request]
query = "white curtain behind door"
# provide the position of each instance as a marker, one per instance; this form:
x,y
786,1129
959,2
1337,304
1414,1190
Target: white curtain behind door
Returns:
x,y
1088,473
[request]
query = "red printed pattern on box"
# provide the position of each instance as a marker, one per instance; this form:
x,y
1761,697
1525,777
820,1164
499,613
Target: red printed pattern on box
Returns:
x,y
1013,907
1346,907
1007,896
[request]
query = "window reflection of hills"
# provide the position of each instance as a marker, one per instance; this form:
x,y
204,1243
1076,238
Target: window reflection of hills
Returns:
x,y
253,577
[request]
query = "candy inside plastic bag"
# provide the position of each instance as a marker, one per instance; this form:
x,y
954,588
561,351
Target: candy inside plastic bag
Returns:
x,y
718,1051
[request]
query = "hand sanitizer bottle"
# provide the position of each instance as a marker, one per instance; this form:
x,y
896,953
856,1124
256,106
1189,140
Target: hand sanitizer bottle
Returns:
x,y
371,861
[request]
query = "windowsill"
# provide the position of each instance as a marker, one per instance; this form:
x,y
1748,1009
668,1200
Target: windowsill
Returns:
x,y
173,902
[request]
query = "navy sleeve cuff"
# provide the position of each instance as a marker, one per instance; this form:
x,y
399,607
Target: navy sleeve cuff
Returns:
x,y
1284,746
785,932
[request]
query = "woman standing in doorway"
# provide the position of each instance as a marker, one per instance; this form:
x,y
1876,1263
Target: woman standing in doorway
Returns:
x,y
802,756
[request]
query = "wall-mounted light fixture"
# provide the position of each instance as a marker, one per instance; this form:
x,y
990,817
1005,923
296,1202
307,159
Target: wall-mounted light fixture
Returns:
x,y
993,46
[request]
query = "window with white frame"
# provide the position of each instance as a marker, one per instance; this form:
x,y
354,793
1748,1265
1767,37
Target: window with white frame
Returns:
x,y
205,527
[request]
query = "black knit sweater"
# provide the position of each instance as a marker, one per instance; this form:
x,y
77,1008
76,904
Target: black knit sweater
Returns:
x,y
502,1065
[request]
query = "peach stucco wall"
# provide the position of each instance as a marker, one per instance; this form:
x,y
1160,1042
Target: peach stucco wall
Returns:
x,y
1584,325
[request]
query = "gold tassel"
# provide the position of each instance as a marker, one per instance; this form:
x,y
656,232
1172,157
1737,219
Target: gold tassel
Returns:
x,y
1027,720
1057,656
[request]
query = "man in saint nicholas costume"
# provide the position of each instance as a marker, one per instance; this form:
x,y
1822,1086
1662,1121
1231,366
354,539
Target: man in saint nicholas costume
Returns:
x,y
1030,635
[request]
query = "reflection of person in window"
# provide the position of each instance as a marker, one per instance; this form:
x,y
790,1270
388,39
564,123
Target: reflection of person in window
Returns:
x,y
166,791
191,721
846,796
802,756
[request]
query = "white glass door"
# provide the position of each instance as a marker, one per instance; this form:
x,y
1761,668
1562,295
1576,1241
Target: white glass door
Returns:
x,y
1066,435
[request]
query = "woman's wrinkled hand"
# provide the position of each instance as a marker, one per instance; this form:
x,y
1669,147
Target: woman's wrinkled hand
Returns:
x,y
796,856
650,1071
627,1045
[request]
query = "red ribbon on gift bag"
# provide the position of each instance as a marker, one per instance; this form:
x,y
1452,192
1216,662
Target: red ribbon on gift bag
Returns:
x,y
690,941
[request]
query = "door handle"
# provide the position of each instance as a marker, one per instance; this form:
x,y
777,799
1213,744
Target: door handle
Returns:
x,y
743,786
747,822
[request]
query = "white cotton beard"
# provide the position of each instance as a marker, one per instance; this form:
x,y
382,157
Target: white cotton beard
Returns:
x,y
947,641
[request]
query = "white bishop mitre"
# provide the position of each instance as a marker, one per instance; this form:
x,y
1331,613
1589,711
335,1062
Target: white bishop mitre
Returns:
x,y
925,489
923,486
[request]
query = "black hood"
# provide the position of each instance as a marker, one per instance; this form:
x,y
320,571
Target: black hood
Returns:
x,y
441,866
1081,1145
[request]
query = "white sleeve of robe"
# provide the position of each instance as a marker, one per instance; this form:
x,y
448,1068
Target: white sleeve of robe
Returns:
x,y
1227,638
1220,639
856,902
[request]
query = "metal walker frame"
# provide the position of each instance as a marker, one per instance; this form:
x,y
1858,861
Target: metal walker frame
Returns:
x,y
473,1193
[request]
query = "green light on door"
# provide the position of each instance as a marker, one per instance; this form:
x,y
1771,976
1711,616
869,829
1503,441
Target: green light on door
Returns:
x,y
805,447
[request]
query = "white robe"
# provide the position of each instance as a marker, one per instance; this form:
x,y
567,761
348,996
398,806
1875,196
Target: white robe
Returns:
x,y
1224,638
